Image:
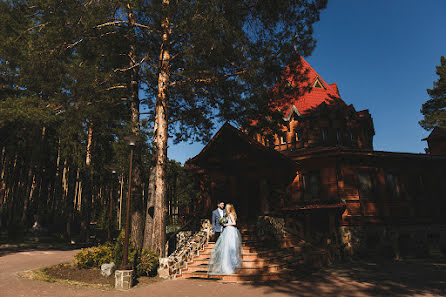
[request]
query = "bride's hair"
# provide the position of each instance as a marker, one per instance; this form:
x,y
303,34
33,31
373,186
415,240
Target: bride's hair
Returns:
x,y
231,210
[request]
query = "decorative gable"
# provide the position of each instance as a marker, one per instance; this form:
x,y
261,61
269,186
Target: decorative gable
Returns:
x,y
318,84
292,111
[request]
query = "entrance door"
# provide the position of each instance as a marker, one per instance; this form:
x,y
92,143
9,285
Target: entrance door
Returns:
x,y
248,200
243,193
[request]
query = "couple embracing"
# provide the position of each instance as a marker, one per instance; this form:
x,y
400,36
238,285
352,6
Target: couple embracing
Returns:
x,y
226,256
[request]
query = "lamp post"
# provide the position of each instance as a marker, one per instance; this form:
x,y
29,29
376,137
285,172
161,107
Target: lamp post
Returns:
x,y
131,140
110,213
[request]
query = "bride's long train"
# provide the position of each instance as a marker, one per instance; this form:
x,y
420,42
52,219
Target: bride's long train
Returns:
x,y
226,256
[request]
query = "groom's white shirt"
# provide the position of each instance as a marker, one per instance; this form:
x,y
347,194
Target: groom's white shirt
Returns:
x,y
220,211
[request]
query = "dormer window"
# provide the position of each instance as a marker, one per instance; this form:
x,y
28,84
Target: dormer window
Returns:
x,y
317,84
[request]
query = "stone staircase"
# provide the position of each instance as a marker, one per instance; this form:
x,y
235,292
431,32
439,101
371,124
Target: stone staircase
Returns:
x,y
261,262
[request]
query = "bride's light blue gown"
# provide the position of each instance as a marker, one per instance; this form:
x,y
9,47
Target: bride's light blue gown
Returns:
x,y
226,256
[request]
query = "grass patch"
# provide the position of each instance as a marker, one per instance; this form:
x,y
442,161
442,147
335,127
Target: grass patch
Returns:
x,y
69,274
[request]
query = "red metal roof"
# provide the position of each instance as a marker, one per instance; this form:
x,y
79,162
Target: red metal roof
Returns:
x,y
302,77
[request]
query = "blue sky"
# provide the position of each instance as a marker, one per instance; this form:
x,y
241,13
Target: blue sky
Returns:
x,y
382,54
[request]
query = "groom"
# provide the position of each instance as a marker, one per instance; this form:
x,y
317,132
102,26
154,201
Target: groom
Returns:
x,y
216,214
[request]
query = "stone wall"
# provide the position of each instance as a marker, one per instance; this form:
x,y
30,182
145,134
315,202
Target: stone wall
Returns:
x,y
271,228
406,241
190,245
288,233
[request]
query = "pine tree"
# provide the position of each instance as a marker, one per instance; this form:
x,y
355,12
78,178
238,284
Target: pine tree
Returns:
x,y
60,104
216,61
434,110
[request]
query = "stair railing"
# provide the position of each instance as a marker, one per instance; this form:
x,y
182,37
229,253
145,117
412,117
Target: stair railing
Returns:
x,y
171,267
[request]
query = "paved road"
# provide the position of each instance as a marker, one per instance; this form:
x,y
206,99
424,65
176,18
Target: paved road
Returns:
x,y
360,279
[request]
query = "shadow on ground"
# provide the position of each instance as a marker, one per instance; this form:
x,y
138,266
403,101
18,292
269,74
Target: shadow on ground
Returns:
x,y
406,278
7,249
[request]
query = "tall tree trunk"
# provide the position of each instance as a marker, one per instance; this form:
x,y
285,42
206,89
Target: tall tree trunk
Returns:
x,y
2,186
86,187
148,230
160,139
67,202
56,193
121,183
137,199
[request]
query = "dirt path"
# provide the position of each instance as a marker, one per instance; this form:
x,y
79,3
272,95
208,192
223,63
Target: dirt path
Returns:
x,y
359,279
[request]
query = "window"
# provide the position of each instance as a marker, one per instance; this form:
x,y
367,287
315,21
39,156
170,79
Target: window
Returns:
x,y
420,186
324,134
317,84
351,137
311,184
393,187
366,184
282,140
299,135
338,136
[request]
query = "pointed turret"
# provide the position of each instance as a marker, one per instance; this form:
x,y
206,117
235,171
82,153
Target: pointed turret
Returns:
x,y
309,90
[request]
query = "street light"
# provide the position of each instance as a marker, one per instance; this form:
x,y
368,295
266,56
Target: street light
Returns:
x,y
131,141
110,214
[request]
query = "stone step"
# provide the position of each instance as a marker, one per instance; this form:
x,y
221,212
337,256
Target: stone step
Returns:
x,y
241,271
251,262
244,242
246,256
264,258
237,277
255,265
246,249
266,253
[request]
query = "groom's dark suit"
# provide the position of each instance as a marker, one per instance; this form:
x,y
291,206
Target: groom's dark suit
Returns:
x,y
218,228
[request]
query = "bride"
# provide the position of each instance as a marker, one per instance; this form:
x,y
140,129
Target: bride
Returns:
x,y
226,256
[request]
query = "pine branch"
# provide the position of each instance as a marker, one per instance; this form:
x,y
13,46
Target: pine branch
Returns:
x,y
112,23
133,66
30,29
181,53
116,87
208,79
146,27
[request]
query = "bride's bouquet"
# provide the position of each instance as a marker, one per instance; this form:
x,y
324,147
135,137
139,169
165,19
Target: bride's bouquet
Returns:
x,y
223,220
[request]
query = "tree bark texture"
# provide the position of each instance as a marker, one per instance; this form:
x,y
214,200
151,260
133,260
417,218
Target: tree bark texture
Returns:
x,y
148,229
86,196
137,199
160,139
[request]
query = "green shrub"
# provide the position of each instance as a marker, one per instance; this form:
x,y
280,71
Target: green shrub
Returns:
x,y
94,256
147,263
118,252
144,263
